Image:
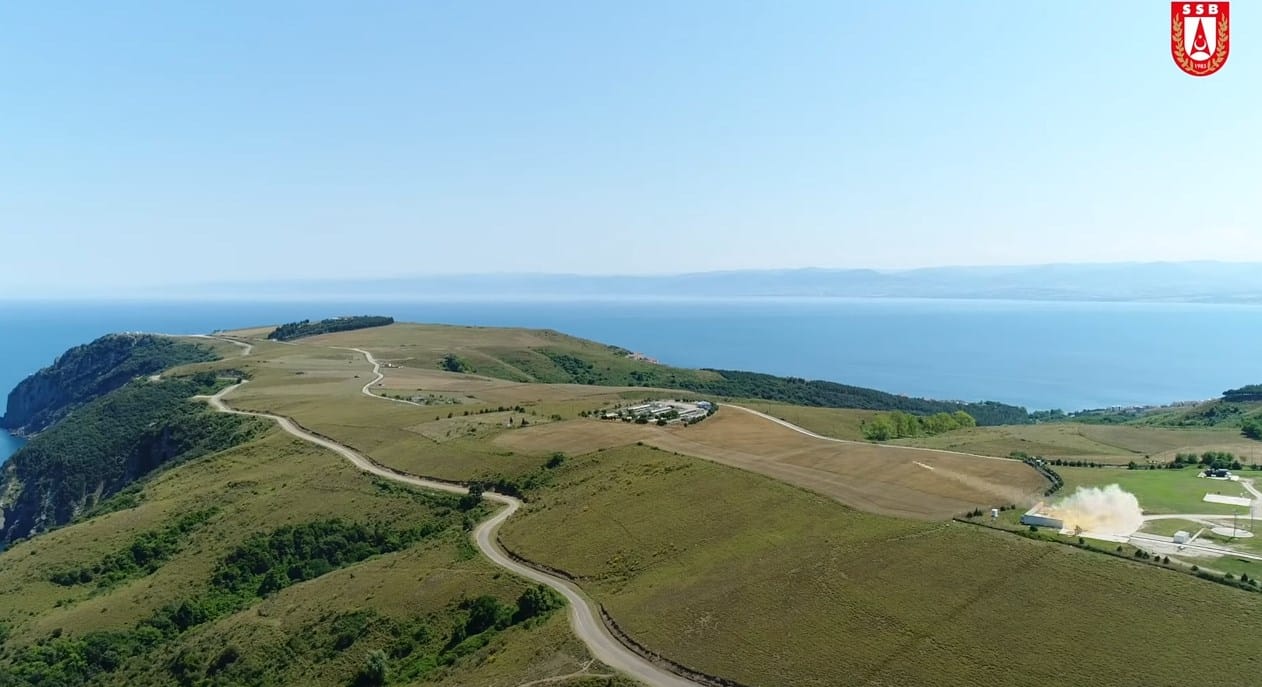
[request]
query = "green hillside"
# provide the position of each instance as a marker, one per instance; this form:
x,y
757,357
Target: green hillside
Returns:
x,y
90,371
743,577
102,447
274,563
1237,408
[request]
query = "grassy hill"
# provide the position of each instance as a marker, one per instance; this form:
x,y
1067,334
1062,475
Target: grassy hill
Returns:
x,y
749,579
181,623
546,356
268,561
87,372
101,448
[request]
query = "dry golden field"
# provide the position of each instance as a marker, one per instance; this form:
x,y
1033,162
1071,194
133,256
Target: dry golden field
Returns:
x,y
302,380
879,479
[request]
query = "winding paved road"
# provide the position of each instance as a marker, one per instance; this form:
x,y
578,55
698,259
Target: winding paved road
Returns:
x,y
586,624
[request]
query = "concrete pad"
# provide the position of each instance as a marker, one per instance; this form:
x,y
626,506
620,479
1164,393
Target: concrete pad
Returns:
x,y
1229,500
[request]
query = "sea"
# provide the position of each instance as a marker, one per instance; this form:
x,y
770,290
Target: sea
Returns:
x,y
1040,355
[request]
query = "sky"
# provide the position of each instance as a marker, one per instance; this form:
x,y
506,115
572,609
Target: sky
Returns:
x,y
144,144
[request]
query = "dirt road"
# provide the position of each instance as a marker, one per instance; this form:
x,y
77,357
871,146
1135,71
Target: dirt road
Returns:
x,y
583,618
809,433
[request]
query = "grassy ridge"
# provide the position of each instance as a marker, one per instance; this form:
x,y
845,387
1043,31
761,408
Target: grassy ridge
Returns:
x,y
747,578
524,355
90,371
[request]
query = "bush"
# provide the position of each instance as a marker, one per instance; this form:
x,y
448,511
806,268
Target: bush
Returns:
x,y
375,671
535,602
487,613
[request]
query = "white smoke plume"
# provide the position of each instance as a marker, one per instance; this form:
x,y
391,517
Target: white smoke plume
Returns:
x,y
1099,509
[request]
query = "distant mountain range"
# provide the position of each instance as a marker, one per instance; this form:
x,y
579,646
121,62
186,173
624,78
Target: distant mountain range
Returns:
x,y
1199,282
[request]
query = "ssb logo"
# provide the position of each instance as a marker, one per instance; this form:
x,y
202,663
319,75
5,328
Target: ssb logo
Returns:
x,y
1200,36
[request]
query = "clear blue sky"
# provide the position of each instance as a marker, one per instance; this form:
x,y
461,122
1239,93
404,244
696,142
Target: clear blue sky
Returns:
x,y
194,141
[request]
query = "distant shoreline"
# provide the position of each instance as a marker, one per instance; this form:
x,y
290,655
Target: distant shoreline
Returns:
x,y
1041,355
1192,282
515,298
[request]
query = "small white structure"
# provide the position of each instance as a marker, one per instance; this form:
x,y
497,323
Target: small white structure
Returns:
x,y
994,513
1182,537
1035,517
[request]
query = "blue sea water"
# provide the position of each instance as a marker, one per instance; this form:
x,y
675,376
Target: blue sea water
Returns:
x,y
1036,354
9,445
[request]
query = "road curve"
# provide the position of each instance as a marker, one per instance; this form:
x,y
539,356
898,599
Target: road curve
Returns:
x,y
583,618
376,370
246,348
809,433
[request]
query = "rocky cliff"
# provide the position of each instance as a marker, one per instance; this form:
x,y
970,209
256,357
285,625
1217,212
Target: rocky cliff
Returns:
x,y
90,371
103,446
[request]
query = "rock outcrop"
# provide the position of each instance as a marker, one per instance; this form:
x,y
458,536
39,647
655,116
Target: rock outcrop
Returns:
x,y
90,371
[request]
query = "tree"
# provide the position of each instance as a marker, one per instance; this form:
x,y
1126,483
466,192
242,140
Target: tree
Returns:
x,y
452,363
1252,429
536,601
881,428
473,499
485,613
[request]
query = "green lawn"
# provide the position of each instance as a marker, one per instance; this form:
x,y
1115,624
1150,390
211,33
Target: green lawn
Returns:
x,y
1158,491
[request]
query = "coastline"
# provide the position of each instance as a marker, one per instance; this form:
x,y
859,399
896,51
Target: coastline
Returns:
x,y
1040,355
9,445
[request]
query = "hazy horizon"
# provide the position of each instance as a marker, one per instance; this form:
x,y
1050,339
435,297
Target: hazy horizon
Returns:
x,y
1186,282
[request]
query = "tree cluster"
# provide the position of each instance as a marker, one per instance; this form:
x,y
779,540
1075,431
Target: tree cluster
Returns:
x,y
1249,392
899,425
297,330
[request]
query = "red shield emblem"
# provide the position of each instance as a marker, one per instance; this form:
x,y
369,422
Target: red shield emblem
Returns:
x,y
1200,36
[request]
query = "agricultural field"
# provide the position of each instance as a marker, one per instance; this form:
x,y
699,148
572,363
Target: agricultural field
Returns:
x,y
1118,444
838,423
882,479
751,579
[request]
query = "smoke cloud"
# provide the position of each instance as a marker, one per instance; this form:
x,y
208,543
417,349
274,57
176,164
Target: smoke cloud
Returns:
x,y
1094,509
